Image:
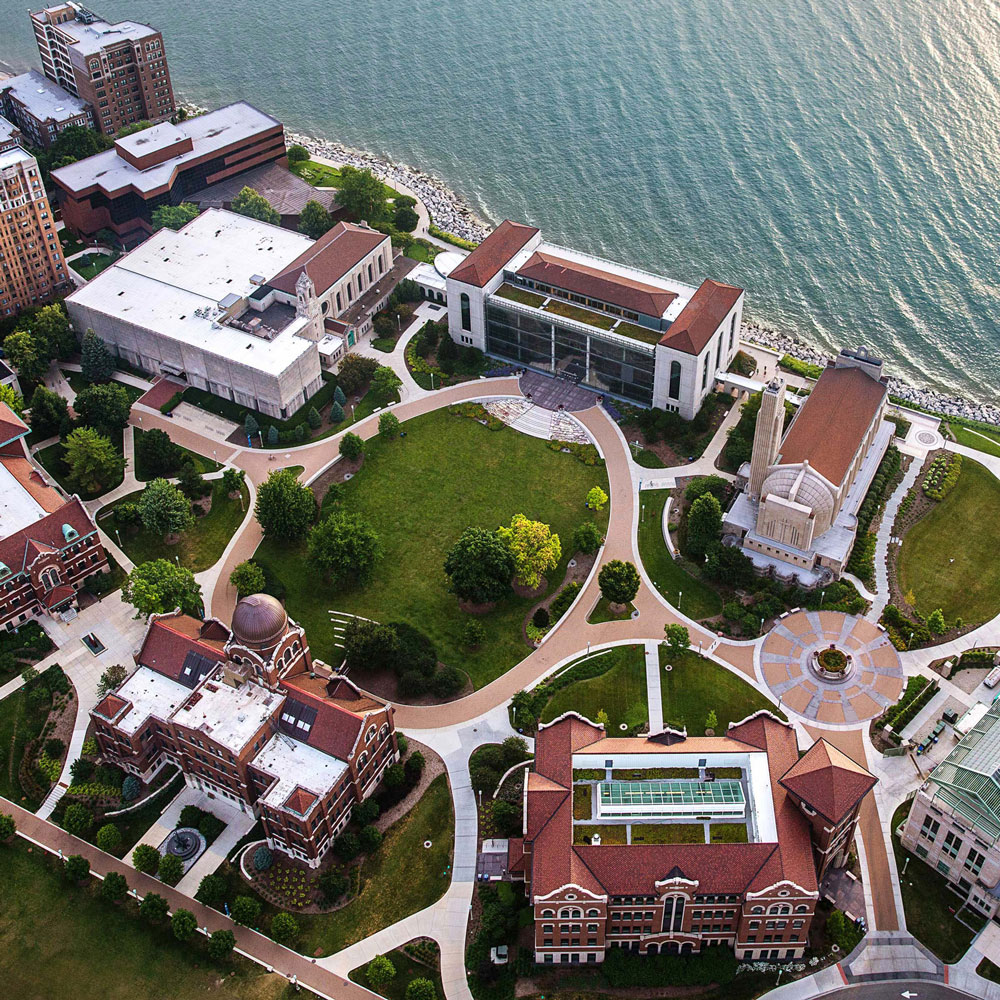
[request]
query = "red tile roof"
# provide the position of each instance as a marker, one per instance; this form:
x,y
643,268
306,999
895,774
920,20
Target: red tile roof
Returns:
x,y
494,253
828,780
330,257
11,425
335,730
628,293
57,595
700,318
844,400
17,551
169,639
111,706
32,482
301,800
515,854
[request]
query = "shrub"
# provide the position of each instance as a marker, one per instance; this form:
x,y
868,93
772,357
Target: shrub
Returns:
x,y
563,600
587,537
507,818
414,767
351,446
284,928
170,869
540,619
108,838
77,819
388,426
146,858
221,944
131,787
346,846
332,885
114,887
184,924
473,634
211,890
365,812
76,867
81,771
262,858
210,826
190,816
246,911
370,839
395,776
447,681
597,498
379,972
153,907
420,989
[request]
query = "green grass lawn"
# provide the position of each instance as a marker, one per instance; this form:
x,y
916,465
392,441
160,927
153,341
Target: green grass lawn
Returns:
x,y
696,686
62,942
322,175
91,266
19,724
420,492
647,459
401,878
602,613
582,798
51,459
929,903
199,547
610,833
668,833
948,558
621,692
637,332
417,251
694,598
521,295
407,969
589,316
201,463
727,833
78,383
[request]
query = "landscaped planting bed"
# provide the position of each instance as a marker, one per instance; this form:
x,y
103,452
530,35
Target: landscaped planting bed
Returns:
x,y
610,833
668,833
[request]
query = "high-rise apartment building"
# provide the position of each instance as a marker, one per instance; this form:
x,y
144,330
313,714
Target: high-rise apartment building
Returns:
x,y
119,69
32,268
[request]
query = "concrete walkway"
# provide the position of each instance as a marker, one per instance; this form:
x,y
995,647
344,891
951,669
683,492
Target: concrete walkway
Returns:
x,y
654,695
885,539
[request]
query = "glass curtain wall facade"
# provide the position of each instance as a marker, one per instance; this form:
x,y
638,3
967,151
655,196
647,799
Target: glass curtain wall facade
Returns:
x,y
602,363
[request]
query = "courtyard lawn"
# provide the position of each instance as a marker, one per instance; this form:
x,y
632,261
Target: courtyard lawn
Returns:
x,y
92,264
602,613
727,833
200,546
611,833
929,903
948,558
419,493
621,692
668,833
401,878
64,943
697,686
19,724
696,599
582,798
407,969
981,440
201,463
322,175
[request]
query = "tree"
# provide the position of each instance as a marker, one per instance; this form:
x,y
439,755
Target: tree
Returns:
x,y
678,639
233,480
108,838
332,885
405,218
346,547
112,678
370,839
93,463
506,817
192,482
157,453
346,846
421,988
131,787
285,507
26,355
8,827
174,216
250,426
163,509
158,586
354,371
246,911
534,547
211,890
336,413
587,537
51,330
473,634
96,360
388,426
284,928
313,418
704,525
272,435
170,869
146,858
480,566
76,867
153,907
362,194
351,446
263,858
114,887
380,972
338,395
139,126
596,498
701,485
254,205
370,645
77,819
297,154
936,622
365,812
220,944
76,142
619,581
184,924
711,720
385,384
729,564
602,719
247,578
314,220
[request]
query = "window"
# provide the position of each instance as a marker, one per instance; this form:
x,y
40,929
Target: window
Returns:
x,y
704,372
974,861
921,851
952,843
466,312
930,828
732,332
943,868
673,913
718,354
675,380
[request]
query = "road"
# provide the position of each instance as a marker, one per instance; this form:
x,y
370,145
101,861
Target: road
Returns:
x,y
894,989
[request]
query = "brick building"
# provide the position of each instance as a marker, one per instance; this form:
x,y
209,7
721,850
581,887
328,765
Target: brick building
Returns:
x,y
49,545
120,70
32,268
248,715
671,843
40,108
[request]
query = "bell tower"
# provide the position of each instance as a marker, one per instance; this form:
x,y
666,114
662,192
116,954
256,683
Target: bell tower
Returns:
x,y
308,305
767,434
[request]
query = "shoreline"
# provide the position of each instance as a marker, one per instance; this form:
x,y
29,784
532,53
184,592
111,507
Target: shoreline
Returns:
x,y
449,211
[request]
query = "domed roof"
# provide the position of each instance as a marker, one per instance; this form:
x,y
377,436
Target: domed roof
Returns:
x,y
801,485
259,621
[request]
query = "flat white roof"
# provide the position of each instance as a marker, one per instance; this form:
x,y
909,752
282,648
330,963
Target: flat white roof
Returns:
x,y
164,282
7,129
428,276
93,37
18,508
208,133
294,764
151,693
11,157
230,716
43,98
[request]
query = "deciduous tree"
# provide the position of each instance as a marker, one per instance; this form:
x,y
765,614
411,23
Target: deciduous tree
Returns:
x,y
184,924
351,446
158,586
354,371
114,887
154,907
111,679
534,547
619,581
314,220
480,566
93,463
77,819
246,911
146,858
370,645
247,578
105,407
76,867
596,498
221,943
174,216
677,637
285,507
26,355
170,869
297,154
346,547
163,509
49,413
388,426
51,330
704,525
380,972
254,205
362,194
284,928
587,537
385,384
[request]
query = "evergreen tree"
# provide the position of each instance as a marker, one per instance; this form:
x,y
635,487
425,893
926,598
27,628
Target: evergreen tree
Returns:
x,y
272,435
96,360
704,525
250,425
336,413
313,417
338,395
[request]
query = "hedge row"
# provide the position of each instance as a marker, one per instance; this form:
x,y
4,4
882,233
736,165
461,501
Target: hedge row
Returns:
x,y
799,367
586,453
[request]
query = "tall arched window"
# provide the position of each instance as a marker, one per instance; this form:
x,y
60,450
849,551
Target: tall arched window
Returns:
x,y
675,380
50,578
718,354
466,313
732,332
704,373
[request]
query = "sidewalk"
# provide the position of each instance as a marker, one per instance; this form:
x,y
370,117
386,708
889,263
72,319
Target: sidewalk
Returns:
x,y
885,539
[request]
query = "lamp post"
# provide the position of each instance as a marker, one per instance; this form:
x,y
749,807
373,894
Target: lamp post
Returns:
x,y
822,594
680,594
910,643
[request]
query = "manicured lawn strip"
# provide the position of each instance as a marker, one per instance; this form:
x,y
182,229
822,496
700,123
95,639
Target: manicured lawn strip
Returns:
x,y
63,942
201,463
621,692
728,833
521,295
90,266
648,459
582,798
200,546
19,724
668,833
929,902
948,558
401,878
636,332
407,969
979,439
602,613
697,686
988,970
322,175
78,383
612,833
417,251
697,599
419,493
601,320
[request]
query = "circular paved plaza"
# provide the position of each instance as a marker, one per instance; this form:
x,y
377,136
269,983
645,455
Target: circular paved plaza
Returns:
x,y
787,661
